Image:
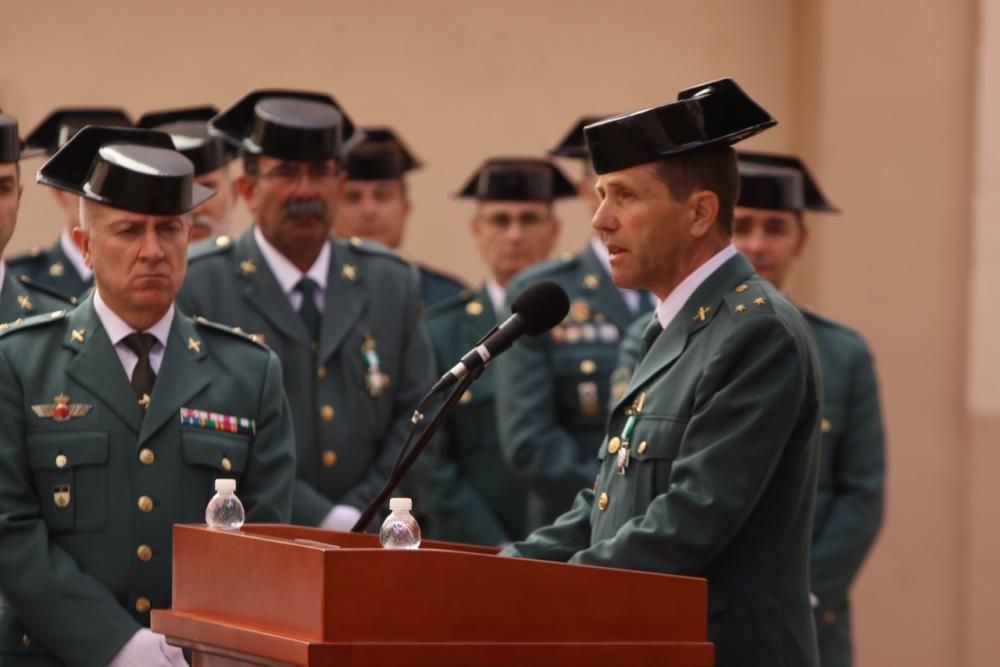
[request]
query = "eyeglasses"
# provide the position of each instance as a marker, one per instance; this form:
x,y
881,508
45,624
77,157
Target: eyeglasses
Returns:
x,y
503,221
289,173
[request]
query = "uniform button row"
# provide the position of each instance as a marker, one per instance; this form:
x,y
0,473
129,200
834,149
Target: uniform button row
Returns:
x,y
144,553
143,605
145,504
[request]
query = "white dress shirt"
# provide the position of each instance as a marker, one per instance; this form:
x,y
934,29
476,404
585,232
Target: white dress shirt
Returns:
x,y
631,296
288,275
74,255
117,329
497,294
3,274
673,304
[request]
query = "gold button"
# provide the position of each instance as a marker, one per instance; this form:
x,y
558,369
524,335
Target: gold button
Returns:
x,y
145,504
25,641
227,465
642,447
326,413
741,289
824,426
61,461
829,617
587,367
466,397
602,502
142,605
321,372
146,457
474,308
329,458
144,552
614,444
223,241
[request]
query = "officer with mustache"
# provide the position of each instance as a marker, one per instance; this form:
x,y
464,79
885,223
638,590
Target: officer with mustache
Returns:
x,y
343,316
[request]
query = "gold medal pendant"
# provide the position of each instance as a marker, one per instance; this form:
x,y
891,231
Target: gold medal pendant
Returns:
x,y
375,380
625,451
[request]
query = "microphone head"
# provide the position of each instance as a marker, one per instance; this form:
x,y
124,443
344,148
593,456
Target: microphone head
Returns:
x,y
541,307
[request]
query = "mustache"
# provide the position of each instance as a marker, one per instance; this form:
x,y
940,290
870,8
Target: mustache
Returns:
x,y
298,209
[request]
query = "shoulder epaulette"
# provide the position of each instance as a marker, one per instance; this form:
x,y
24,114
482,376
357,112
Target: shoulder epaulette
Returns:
x,y
34,255
233,332
748,298
47,290
217,246
458,302
547,268
31,322
372,248
441,275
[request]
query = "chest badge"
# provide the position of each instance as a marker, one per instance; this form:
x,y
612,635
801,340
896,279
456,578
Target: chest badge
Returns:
x,y
375,380
61,410
625,450
61,496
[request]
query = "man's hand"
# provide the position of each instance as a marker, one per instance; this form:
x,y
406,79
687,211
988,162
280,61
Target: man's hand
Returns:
x,y
341,517
148,649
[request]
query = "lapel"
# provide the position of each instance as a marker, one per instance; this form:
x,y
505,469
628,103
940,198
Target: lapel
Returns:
x,y
96,365
182,376
262,291
12,295
70,282
673,340
471,329
345,300
606,294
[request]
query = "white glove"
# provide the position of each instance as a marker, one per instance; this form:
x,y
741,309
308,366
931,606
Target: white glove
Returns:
x,y
341,517
148,649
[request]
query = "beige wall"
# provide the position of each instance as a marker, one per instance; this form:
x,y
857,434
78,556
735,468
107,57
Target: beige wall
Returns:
x,y
879,96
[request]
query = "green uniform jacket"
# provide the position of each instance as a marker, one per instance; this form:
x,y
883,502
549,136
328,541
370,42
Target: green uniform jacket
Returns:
x,y
722,478
81,497
53,268
436,287
849,500
20,297
348,439
552,390
473,496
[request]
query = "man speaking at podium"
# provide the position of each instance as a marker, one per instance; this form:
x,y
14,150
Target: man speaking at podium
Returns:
x,y
709,464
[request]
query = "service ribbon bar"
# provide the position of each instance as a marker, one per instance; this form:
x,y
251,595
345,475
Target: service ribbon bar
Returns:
x,y
217,422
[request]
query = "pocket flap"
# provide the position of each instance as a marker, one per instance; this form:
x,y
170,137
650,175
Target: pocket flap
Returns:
x,y
214,449
57,451
657,437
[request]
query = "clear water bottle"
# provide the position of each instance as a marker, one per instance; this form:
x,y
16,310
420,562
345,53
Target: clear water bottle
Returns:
x,y
400,530
225,511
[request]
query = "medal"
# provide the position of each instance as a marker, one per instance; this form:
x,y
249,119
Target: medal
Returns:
x,y
589,405
375,380
624,452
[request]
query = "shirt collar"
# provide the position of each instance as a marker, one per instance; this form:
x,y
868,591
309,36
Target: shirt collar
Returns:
x,y
601,251
286,273
3,274
74,255
497,295
675,301
117,328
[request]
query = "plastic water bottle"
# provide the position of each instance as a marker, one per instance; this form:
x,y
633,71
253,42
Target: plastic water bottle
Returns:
x,y
225,511
400,530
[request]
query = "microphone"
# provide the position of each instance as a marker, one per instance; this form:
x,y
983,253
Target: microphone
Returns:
x,y
537,309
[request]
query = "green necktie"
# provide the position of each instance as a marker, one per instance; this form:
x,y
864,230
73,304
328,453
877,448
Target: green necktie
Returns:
x,y
649,334
308,311
143,376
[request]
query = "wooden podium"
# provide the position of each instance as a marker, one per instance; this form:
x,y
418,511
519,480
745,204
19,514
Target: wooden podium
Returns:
x,y
287,595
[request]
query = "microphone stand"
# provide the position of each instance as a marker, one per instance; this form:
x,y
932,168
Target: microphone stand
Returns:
x,y
408,458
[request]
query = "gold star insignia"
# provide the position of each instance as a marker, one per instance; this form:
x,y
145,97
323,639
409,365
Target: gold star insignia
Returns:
x,y
566,256
591,281
223,241
759,301
741,308
78,335
144,402
350,272
702,313
248,268
474,308
742,288
194,345
57,270
357,242
4,326
25,303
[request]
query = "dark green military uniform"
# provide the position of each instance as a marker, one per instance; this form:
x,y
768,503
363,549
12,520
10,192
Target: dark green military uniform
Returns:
x,y
21,298
51,267
552,390
89,495
437,287
473,498
348,437
721,478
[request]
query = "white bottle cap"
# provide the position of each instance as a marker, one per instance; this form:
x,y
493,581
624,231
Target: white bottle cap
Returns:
x,y
225,486
400,504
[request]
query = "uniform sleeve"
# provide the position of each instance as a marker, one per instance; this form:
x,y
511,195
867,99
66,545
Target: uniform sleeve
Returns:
x,y
840,547
734,440
40,581
416,369
567,535
266,487
532,441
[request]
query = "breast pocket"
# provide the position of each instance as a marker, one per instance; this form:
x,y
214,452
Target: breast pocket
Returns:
x,y
71,478
208,456
653,448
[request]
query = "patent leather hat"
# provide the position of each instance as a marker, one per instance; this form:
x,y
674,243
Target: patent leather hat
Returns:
x,y
779,183
10,141
518,179
573,144
59,126
381,156
188,128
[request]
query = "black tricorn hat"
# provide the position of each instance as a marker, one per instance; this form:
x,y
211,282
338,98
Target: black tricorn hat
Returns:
x,y
381,156
574,145
59,126
188,127
518,179
10,141
130,169
779,183
294,125
717,113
